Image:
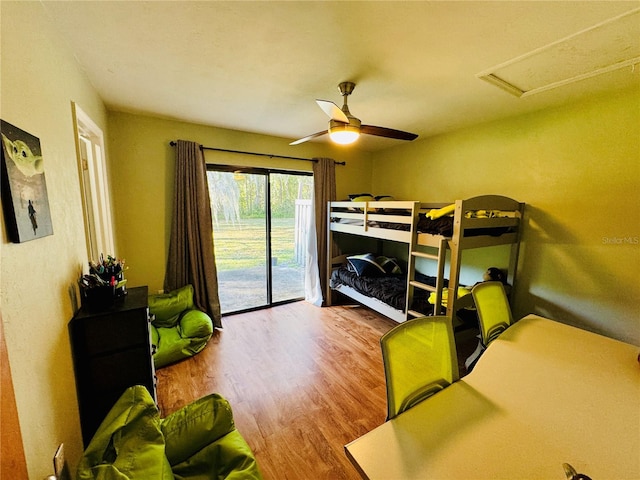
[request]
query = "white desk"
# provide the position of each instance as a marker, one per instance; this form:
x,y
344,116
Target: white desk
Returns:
x,y
543,394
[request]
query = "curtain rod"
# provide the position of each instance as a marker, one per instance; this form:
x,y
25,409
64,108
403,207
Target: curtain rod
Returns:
x,y
173,144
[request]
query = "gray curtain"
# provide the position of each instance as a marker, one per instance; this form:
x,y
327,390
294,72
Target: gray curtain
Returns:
x,y
324,181
191,258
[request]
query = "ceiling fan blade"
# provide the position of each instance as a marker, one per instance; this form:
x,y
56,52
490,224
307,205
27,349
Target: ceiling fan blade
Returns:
x,y
332,110
387,132
308,137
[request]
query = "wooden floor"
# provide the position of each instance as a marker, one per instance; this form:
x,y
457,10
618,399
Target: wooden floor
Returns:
x,y
302,381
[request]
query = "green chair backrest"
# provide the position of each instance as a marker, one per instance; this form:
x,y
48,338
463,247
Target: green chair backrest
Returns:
x,y
493,309
419,359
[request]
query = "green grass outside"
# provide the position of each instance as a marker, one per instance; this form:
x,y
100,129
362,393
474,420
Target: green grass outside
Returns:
x,y
243,245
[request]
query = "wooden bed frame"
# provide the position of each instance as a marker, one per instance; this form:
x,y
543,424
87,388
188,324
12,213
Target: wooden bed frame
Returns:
x,y
379,220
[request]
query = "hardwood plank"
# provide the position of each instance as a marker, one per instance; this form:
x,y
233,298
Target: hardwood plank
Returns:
x,y
302,381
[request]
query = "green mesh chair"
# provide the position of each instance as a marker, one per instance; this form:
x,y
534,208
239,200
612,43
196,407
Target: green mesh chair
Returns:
x,y
420,359
493,309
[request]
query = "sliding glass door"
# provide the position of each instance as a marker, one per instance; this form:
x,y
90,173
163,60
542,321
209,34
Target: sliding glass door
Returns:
x,y
259,229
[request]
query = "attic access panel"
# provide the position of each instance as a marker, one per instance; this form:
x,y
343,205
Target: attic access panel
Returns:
x,y
602,48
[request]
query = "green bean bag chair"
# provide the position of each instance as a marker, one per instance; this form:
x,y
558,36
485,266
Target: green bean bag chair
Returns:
x,y
199,441
178,329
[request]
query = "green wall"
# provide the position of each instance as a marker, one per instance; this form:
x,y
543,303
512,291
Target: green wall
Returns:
x,y
38,293
142,166
578,169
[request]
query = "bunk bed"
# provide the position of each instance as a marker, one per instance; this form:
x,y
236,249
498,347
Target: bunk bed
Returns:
x,y
428,230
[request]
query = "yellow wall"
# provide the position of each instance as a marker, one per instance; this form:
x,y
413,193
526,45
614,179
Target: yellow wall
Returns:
x,y
143,162
38,289
578,169
40,78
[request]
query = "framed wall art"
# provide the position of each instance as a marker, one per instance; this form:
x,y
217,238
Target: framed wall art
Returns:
x,y
24,189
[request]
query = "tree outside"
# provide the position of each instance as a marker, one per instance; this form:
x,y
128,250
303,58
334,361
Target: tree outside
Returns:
x,y
238,207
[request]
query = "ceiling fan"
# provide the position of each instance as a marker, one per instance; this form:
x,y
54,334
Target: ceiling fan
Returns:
x,y
344,128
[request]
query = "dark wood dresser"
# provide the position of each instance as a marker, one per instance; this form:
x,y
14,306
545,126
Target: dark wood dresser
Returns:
x,y
112,351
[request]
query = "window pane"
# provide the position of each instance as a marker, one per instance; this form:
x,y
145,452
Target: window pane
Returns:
x,y
239,232
244,236
290,207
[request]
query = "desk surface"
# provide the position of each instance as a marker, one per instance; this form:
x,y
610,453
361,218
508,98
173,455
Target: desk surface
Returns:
x,y
543,394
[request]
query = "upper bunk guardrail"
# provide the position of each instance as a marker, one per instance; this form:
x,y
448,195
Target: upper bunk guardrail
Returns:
x,y
374,219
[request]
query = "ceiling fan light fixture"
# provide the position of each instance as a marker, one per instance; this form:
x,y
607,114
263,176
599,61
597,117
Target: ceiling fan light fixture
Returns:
x,y
344,128
343,133
343,137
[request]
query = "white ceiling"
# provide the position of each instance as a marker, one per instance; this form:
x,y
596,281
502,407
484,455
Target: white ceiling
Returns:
x,y
258,66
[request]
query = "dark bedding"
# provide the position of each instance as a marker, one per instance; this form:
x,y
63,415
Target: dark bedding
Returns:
x,y
444,226
439,226
390,289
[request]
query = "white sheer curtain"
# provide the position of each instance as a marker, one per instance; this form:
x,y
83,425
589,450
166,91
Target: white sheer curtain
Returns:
x,y
312,285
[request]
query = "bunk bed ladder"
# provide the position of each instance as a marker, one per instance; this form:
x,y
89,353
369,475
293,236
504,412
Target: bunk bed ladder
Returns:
x,y
456,247
440,258
513,257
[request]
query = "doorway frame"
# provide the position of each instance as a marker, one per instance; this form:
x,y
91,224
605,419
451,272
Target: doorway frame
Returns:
x,y
94,184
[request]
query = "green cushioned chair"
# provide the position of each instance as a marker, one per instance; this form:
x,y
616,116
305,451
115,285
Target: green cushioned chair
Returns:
x,y
419,358
494,312
178,329
199,441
